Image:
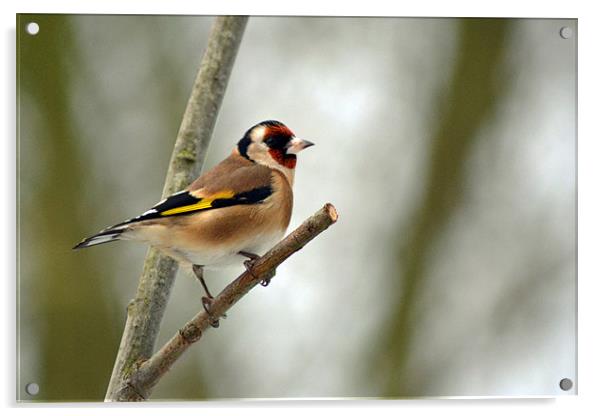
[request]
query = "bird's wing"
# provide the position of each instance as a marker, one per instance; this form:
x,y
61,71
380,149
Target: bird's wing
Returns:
x,y
218,188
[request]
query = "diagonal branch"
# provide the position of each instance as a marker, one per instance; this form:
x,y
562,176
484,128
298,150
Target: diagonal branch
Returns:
x,y
141,381
145,312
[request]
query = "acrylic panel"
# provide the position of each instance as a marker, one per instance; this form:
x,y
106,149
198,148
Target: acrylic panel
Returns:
x,y
447,146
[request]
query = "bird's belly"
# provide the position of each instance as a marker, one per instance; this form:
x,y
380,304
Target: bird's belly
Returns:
x,y
216,257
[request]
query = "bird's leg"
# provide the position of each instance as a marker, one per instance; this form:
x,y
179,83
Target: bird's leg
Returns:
x,y
205,300
252,257
198,272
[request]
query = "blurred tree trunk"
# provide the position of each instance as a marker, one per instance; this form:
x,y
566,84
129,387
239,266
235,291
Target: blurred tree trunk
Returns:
x,y
72,318
474,89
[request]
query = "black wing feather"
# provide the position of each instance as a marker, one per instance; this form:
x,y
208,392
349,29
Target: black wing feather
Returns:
x,y
183,199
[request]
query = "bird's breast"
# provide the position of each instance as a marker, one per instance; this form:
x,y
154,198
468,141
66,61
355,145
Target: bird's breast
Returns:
x,y
215,236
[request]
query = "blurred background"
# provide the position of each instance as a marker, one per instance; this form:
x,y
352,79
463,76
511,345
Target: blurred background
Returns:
x,y
448,147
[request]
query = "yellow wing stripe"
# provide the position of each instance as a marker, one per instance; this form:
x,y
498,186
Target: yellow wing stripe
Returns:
x,y
202,204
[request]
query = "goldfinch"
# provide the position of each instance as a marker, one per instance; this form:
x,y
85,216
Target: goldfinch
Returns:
x,y
237,210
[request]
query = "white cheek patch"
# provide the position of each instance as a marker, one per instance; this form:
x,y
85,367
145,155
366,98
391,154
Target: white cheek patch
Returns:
x,y
258,134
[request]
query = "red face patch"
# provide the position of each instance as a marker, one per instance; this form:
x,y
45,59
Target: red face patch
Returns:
x,y
288,161
280,130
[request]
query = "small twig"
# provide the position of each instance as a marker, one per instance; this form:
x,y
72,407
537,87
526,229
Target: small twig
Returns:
x,y
141,381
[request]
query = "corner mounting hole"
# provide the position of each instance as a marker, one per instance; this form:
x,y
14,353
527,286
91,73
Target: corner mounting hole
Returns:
x,y
32,28
566,32
566,384
32,389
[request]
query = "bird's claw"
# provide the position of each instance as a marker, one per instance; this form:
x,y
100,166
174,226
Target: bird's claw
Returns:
x,y
268,279
249,265
207,302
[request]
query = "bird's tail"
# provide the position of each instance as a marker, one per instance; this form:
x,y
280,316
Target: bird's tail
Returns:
x,y
105,236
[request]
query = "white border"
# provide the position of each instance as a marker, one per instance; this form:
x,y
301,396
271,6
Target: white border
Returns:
x,y
507,8
590,206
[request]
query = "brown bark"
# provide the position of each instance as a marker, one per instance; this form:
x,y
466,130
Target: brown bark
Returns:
x,y
142,379
145,312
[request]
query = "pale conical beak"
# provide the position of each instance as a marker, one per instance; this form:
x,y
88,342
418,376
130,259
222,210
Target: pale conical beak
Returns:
x,y
296,145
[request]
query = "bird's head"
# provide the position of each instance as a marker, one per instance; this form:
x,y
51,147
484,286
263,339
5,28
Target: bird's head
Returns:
x,y
273,144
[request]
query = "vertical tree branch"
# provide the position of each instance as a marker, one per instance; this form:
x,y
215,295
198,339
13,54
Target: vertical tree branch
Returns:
x,y
146,310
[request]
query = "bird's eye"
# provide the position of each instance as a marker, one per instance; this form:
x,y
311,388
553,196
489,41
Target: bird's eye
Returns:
x,y
277,141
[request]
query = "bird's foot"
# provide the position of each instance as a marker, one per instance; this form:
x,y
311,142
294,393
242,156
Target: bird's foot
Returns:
x,y
249,266
250,262
266,281
207,303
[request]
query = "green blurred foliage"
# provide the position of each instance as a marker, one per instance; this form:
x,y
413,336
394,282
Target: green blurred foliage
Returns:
x,y
70,312
67,307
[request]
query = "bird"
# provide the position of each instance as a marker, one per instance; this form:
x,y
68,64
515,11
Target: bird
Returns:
x,y
234,212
